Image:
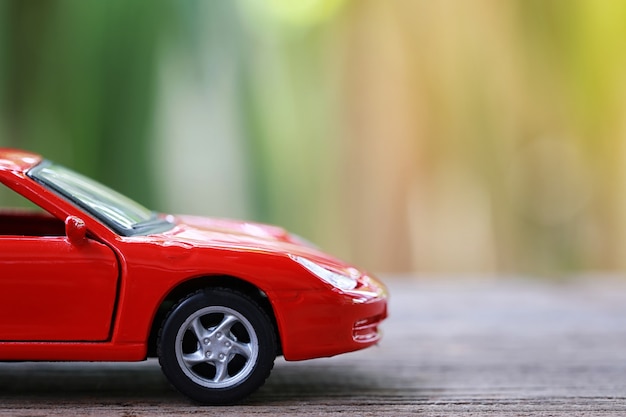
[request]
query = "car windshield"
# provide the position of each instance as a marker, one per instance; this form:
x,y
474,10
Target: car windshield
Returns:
x,y
117,211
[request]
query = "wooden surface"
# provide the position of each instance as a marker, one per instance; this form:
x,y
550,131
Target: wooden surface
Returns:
x,y
469,348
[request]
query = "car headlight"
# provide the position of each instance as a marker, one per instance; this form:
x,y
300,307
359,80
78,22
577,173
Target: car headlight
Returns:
x,y
344,282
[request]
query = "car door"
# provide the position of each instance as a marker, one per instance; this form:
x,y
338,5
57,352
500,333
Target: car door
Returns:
x,y
50,288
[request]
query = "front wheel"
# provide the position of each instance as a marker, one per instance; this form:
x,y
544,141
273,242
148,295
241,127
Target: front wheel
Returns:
x,y
217,346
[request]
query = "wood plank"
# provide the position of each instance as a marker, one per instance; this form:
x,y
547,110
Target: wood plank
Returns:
x,y
459,347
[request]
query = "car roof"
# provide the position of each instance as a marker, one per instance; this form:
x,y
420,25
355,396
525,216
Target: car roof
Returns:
x,y
17,160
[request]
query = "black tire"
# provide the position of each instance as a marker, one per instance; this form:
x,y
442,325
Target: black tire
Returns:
x,y
217,346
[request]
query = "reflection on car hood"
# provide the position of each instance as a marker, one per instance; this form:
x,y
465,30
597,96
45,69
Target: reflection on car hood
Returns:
x,y
225,233
231,228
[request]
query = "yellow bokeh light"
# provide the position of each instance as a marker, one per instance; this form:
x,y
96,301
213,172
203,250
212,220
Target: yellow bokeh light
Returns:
x,y
301,13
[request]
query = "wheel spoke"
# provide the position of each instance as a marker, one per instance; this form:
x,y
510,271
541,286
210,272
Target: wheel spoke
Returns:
x,y
192,359
243,349
224,327
221,371
198,329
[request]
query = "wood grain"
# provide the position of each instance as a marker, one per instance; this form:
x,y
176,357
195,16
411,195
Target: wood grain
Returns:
x,y
458,347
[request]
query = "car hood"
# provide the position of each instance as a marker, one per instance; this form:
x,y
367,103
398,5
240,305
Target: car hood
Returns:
x,y
240,235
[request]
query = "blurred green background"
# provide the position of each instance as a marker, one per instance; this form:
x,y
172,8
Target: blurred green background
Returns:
x,y
430,137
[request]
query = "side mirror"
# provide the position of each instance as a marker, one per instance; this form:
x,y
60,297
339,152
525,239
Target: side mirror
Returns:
x,y
75,230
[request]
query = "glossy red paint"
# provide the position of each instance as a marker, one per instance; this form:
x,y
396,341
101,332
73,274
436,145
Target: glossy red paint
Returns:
x,y
99,296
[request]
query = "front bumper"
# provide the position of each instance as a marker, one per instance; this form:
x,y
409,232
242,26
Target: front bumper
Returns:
x,y
322,323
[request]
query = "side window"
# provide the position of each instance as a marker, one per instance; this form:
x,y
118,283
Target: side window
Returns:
x,y
20,217
9,199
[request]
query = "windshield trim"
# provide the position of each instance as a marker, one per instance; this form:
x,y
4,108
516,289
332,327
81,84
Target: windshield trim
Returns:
x,y
153,223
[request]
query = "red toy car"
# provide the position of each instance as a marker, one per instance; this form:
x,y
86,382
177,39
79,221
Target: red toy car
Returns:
x,y
90,275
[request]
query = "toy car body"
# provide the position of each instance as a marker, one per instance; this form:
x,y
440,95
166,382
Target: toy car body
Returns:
x,y
93,276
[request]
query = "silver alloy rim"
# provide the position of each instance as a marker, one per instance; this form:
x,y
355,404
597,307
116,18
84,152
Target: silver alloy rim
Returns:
x,y
220,354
